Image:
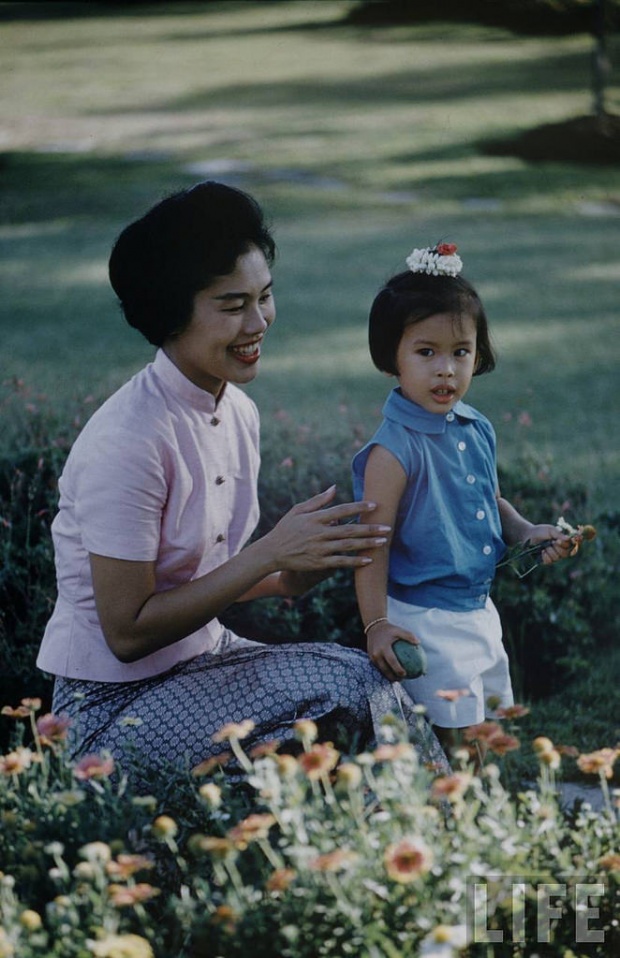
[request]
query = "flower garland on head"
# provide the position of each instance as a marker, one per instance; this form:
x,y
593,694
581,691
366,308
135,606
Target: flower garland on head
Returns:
x,y
440,260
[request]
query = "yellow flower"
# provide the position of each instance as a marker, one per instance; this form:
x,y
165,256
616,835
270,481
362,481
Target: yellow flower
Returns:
x,y
211,794
542,745
234,730
165,827
407,860
306,730
349,774
6,948
30,920
552,758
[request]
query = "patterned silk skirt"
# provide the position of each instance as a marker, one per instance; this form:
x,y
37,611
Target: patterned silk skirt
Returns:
x,y
170,719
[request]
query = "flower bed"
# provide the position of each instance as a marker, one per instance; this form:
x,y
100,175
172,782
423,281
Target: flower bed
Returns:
x,y
302,855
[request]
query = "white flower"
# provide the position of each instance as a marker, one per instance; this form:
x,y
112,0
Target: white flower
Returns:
x,y
430,261
566,527
444,941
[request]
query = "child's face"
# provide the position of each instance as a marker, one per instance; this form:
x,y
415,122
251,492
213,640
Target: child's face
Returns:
x,y
436,359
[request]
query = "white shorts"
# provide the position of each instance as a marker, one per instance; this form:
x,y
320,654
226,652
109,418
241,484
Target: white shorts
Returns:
x,y
464,651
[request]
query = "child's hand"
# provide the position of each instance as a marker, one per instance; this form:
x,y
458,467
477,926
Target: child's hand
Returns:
x,y
558,545
380,640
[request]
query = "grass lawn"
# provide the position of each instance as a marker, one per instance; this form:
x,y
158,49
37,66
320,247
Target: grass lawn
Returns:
x,y
361,143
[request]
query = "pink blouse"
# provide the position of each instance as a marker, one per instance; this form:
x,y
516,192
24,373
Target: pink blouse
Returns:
x,y
162,473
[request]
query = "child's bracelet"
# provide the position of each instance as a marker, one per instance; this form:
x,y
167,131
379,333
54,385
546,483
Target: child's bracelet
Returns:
x,y
382,618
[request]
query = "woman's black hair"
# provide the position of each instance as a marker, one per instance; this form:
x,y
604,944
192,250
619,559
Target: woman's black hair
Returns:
x,y
179,247
411,297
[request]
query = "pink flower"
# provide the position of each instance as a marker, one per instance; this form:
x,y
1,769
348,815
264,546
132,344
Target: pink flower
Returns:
x,y
451,695
513,712
287,463
525,419
94,766
52,728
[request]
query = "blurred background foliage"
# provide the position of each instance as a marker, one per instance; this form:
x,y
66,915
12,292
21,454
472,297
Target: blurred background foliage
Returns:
x,y
362,135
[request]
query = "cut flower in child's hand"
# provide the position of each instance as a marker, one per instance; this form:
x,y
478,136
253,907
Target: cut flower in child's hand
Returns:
x,y
535,551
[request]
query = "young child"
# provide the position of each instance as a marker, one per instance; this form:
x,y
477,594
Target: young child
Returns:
x,y
431,468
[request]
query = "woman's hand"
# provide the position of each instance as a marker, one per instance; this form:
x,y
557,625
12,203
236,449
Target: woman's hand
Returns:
x,y
560,546
316,537
381,638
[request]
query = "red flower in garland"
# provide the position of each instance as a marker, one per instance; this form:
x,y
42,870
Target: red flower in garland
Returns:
x,y
446,249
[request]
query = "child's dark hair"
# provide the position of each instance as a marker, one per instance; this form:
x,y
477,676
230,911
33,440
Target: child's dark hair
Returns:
x,y
160,261
411,297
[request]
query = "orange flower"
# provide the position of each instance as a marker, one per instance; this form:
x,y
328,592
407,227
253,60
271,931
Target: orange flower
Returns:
x,y
280,879
252,828
16,762
123,896
393,753
124,866
94,767
319,760
17,713
234,730
333,861
210,844
452,787
407,860
610,862
216,761
225,916
264,748
598,763
542,744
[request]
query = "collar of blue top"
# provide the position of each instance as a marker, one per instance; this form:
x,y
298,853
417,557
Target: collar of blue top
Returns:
x,y
402,410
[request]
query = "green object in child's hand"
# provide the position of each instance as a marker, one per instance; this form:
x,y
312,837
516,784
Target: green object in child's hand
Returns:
x,y
411,657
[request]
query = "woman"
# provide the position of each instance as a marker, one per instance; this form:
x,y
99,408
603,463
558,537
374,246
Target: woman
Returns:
x,y
157,499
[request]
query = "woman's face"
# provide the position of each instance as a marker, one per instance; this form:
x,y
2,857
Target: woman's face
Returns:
x,y
222,342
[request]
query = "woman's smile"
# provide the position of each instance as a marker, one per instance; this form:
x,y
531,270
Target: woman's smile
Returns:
x,y
222,342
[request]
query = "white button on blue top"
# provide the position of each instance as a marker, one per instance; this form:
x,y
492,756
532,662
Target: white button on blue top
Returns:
x,y
470,479
462,446
480,514
450,417
487,550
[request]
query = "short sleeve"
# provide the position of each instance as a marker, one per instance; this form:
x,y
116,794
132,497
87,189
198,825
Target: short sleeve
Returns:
x,y
391,436
119,491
